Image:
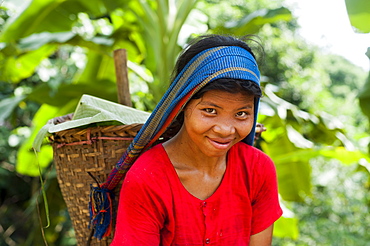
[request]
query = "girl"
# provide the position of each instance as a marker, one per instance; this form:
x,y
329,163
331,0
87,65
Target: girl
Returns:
x,y
206,185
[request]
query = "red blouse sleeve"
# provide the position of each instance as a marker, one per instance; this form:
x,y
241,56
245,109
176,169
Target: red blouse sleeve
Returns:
x,y
265,201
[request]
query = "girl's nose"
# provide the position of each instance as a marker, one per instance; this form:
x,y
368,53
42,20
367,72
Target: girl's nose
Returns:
x,y
224,127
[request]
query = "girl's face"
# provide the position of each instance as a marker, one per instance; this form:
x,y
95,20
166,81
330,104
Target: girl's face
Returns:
x,y
215,122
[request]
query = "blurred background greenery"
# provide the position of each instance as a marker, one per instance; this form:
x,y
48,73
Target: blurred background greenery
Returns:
x,y
315,105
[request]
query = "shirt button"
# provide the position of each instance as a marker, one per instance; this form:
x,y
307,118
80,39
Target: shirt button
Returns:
x,y
204,204
208,241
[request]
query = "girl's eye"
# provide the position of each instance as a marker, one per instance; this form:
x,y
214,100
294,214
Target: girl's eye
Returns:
x,y
210,110
241,114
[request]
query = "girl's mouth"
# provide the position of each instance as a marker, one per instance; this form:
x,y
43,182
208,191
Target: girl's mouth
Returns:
x,y
220,143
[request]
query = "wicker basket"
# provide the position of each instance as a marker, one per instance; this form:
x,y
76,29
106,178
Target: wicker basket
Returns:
x,y
79,151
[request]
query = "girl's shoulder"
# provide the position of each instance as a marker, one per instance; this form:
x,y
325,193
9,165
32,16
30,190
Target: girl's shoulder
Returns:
x,y
152,165
246,151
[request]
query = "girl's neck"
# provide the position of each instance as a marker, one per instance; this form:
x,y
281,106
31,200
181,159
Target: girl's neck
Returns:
x,y
185,156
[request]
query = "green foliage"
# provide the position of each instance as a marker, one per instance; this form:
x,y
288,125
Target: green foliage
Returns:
x,y
359,15
364,95
335,213
23,227
18,193
295,138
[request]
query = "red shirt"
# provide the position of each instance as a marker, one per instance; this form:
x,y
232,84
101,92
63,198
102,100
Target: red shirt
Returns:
x,y
156,209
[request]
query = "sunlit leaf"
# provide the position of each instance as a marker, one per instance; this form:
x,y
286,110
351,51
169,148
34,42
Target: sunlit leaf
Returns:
x,y
100,44
253,22
286,228
343,155
39,16
297,139
27,163
99,71
359,14
15,68
37,40
53,16
293,169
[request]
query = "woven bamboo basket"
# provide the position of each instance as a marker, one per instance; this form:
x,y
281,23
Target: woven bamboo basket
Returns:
x,y
78,152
